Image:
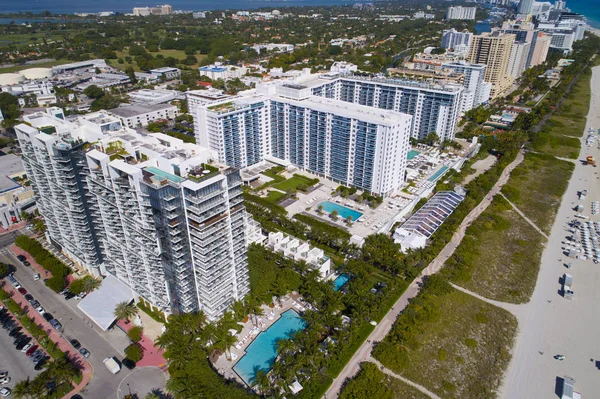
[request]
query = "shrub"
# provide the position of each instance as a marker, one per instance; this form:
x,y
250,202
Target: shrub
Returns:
x,y
471,343
4,270
442,354
135,334
56,283
134,352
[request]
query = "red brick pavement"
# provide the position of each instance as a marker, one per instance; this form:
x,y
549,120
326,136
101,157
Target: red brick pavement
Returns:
x,y
153,356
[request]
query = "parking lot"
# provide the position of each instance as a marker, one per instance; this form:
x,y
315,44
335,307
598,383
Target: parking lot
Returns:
x,y
15,362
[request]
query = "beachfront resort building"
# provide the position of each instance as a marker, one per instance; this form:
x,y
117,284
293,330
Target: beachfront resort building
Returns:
x,y
494,51
156,213
293,248
353,144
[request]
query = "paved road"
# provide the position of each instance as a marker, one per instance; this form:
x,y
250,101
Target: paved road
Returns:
x,y
103,384
382,329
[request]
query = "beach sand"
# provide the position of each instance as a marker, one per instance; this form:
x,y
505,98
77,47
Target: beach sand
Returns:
x,y
550,324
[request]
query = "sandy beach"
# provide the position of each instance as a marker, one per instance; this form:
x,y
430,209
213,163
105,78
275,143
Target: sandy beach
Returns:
x,y
550,324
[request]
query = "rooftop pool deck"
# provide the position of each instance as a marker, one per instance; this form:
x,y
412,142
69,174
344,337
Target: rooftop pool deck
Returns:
x,y
438,174
261,353
411,154
343,211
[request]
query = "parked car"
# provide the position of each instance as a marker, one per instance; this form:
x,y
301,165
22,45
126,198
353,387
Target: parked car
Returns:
x,y
36,277
31,350
56,325
127,362
40,364
34,303
69,295
27,347
5,392
3,373
76,344
48,316
14,332
81,295
22,258
4,380
29,297
22,291
84,352
40,310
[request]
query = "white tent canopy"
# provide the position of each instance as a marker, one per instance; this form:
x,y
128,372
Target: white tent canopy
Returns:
x,y
100,304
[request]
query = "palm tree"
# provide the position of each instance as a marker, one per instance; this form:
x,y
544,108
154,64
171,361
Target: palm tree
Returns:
x,y
61,369
262,382
334,214
125,310
320,209
349,220
21,389
225,341
90,284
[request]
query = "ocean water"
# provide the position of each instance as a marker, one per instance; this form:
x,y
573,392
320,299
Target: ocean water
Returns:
x,y
126,6
589,8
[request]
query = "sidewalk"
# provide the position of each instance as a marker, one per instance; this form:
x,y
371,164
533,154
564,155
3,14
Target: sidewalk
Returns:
x,y
13,227
153,356
61,343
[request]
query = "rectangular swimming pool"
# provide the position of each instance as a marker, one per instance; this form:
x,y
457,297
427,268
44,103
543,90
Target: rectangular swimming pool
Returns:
x,y
343,211
438,174
261,353
340,281
411,154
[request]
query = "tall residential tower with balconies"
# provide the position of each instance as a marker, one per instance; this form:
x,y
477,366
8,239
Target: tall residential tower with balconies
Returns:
x,y
157,213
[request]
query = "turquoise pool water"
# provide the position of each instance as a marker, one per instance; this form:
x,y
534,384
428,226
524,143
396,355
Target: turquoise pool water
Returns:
x,y
261,353
438,174
412,154
342,210
340,281
164,175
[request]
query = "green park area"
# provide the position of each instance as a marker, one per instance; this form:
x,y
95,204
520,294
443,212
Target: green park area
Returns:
x,y
536,187
296,182
373,383
164,53
453,344
505,272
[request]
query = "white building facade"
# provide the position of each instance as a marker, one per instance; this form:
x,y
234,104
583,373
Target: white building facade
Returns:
x,y
156,213
459,12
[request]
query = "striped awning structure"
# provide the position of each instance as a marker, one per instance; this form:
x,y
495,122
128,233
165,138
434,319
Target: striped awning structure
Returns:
x,y
431,215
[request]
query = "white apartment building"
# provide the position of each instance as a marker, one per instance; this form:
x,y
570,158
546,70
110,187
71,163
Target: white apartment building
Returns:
x,y
156,213
141,115
459,12
476,91
155,96
35,87
288,123
298,250
343,67
455,40
275,47
517,61
165,9
224,72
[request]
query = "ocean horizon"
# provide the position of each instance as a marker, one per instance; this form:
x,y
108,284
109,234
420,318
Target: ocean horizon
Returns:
x,y
589,8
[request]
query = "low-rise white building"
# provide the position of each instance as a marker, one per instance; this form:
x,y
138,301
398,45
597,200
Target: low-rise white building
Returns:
x,y
141,115
166,73
276,47
15,197
224,72
343,67
156,96
293,248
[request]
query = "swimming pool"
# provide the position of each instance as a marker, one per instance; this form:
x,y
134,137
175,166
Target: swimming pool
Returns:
x,y
261,353
411,154
342,210
340,281
438,174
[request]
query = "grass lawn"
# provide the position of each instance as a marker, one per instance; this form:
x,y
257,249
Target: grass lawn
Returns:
x,y
453,344
49,64
292,183
402,390
559,145
275,196
179,54
505,272
536,187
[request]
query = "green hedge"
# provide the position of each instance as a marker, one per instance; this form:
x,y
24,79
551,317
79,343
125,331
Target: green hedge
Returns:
x,y
43,257
146,308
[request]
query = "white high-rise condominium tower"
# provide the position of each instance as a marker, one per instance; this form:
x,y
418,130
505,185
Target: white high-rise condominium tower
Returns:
x,y
455,40
153,211
353,144
477,91
459,12
525,6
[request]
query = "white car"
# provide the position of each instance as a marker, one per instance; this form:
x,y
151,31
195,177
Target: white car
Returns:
x,y
40,310
26,347
5,392
4,380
